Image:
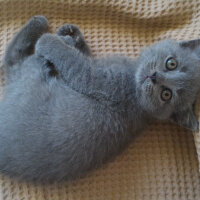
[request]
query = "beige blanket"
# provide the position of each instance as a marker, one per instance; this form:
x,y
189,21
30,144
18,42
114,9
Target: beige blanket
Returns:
x,y
160,165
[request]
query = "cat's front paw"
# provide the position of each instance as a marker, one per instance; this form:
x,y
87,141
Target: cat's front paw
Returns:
x,y
72,36
45,44
72,31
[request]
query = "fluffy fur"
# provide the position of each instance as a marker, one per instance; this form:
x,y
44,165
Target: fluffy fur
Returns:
x,y
64,112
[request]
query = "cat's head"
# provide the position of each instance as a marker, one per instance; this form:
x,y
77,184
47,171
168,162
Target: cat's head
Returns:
x,y
168,81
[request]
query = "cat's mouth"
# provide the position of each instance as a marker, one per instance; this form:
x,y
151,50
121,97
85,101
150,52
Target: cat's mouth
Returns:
x,y
152,78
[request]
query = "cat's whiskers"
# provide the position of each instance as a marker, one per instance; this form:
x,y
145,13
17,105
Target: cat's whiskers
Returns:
x,y
149,88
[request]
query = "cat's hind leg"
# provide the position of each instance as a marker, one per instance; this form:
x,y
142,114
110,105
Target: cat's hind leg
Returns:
x,y
22,45
72,36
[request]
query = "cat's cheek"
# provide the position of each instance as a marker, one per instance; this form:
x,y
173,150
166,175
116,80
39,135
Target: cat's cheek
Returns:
x,y
147,87
146,95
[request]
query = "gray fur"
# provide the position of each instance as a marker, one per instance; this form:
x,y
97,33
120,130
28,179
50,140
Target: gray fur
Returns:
x,y
64,112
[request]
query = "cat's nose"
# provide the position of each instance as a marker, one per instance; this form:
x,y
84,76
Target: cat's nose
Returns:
x,y
153,77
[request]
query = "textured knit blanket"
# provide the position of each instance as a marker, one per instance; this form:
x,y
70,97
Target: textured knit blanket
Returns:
x,y
162,164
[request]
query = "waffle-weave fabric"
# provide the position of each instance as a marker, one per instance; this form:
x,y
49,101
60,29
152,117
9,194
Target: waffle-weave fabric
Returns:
x,y
162,164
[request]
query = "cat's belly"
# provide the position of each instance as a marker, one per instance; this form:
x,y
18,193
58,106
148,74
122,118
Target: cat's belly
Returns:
x,y
57,133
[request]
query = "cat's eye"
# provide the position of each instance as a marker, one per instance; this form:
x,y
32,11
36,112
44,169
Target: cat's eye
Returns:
x,y
166,94
171,64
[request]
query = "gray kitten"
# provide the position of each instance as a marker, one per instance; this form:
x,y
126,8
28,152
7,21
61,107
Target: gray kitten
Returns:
x,y
64,112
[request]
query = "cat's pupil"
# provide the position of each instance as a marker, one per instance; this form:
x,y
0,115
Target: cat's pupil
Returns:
x,y
171,64
166,94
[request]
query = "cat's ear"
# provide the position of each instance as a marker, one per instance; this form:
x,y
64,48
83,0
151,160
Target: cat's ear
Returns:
x,y
191,44
186,118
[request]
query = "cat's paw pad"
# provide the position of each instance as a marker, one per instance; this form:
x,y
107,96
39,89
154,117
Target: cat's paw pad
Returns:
x,y
73,36
70,30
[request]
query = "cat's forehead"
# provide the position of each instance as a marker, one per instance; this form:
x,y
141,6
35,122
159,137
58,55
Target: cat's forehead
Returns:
x,y
163,49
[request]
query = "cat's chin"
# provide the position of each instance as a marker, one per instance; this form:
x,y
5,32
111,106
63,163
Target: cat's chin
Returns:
x,y
141,79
